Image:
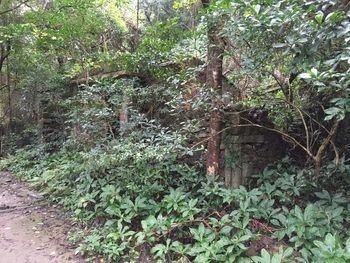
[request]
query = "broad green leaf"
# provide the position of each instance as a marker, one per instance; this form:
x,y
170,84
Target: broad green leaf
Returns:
x,y
319,17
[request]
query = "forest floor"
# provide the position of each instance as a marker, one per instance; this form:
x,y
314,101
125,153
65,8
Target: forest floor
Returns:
x,y
30,230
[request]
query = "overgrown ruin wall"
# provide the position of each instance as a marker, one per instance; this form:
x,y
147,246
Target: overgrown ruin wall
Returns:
x,y
247,151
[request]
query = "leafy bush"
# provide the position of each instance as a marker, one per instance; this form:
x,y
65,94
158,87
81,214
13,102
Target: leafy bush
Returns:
x,y
138,197
331,250
153,207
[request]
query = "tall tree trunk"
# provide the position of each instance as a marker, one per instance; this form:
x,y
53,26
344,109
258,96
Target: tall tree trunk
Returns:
x,y
214,82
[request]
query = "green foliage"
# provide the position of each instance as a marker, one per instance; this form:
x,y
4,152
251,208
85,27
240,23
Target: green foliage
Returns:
x,y
298,54
331,250
137,190
281,256
150,202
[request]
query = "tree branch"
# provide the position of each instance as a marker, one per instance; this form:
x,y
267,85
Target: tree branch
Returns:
x,y
286,135
307,134
114,75
14,8
251,124
301,112
328,139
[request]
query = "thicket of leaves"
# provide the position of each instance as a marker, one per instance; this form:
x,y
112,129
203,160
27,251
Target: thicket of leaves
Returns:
x,y
141,199
140,202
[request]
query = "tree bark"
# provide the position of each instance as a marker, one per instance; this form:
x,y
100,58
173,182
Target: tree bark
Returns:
x,y
214,82
9,95
123,114
322,148
4,53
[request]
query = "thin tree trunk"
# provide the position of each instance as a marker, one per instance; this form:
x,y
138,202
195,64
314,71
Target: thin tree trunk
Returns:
x,y
214,82
123,115
9,95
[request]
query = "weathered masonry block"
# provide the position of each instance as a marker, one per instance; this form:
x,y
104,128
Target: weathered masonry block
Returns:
x,y
247,151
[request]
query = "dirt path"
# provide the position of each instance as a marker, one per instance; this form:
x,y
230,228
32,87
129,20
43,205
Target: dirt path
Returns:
x,y
31,232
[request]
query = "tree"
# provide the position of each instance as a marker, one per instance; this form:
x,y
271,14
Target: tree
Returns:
x,y
214,82
301,68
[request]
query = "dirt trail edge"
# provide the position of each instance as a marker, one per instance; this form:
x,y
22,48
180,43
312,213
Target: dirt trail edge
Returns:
x,y
31,232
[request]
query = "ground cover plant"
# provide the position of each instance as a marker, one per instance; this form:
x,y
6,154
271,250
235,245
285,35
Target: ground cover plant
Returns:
x,y
284,216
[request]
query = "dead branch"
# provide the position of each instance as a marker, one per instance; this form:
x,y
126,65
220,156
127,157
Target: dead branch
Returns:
x,y
325,143
112,74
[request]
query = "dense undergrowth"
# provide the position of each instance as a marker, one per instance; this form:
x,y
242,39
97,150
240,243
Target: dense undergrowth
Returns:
x,y
125,156
137,202
138,193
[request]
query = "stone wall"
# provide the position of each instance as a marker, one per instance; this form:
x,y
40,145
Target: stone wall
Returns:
x,y
247,151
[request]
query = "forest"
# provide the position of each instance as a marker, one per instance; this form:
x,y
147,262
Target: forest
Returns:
x,y
183,130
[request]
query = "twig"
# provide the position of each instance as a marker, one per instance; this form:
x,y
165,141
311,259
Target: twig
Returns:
x,y
251,124
261,226
14,8
330,133
307,134
207,139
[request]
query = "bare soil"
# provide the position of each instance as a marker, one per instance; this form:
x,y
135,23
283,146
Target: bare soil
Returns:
x,y
30,231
